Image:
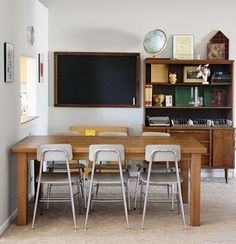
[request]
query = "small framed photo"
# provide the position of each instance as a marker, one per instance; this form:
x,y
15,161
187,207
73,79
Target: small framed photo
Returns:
x,y
218,97
168,101
41,67
183,46
216,51
8,62
191,75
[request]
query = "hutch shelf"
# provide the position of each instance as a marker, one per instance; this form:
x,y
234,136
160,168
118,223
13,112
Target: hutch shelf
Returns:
x,y
203,111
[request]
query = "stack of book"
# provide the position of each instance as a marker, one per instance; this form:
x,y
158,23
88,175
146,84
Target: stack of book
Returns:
x,y
148,95
220,77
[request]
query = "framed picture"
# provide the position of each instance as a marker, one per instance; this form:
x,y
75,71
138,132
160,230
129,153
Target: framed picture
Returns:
x,y
168,101
183,47
41,67
8,62
216,51
191,75
218,97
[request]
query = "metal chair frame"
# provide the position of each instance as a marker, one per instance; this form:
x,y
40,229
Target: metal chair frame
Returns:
x,y
55,152
73,166
142,167
159,153
79,166
105,167
111,153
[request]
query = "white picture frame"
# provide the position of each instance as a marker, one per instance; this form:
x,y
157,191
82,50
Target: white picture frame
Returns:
x,y
183,46
8,62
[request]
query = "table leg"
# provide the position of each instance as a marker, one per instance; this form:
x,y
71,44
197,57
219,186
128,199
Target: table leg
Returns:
x,y
184,165
22,188
195,189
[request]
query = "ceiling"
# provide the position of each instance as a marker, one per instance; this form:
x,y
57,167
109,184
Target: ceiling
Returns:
x,y
44,2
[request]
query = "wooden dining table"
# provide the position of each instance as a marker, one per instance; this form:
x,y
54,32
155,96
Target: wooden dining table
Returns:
x,y
191,151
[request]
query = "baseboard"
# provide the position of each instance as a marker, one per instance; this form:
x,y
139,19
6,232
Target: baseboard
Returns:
x,y
216,173
8,221
4,226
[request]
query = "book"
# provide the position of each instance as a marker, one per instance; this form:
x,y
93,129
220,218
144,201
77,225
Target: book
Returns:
x,y
220,76
148,95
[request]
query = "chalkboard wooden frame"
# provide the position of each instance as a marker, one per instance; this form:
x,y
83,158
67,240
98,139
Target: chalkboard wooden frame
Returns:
x,y
118,58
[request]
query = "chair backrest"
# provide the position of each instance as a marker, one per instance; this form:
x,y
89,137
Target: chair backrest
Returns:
x,y
54,152
154,133
66,133
160,153
106,152
112,133
95,130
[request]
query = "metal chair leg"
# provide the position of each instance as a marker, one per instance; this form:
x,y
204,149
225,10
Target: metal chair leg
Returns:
x,y
37,195
146,193
92,197
172,197
78,190
128,194
180,197
89,197
72,204
48,194
145,204
141,198
85,197
125,203
84,192
97,188
136,191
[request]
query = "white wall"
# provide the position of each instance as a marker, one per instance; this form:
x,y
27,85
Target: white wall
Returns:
x,y
78,25
119,26
15,15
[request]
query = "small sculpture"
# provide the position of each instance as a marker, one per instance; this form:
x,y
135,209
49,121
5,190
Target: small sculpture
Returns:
x,y
158,99
172,78
204,73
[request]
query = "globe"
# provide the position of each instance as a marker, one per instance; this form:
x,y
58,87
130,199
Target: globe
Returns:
x,y
155,42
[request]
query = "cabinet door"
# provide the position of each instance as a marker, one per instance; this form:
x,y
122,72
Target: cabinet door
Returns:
x,y
203,136
223,148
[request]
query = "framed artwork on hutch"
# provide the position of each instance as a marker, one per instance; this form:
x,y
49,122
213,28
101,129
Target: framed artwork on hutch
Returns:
x,y
216,51
218,97
183,46
191,75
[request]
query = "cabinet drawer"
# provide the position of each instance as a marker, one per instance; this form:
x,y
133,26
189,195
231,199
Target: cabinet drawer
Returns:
x,y
200,135
154,129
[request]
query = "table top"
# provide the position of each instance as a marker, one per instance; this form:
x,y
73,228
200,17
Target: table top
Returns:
x,y
132,144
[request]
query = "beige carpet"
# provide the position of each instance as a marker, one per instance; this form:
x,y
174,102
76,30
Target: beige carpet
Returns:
x,y
107,223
